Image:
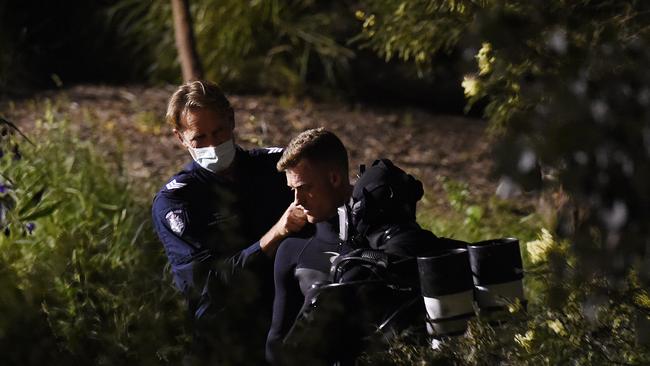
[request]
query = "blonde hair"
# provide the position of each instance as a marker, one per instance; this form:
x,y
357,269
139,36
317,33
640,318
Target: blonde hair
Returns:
x,y
317,145
197,94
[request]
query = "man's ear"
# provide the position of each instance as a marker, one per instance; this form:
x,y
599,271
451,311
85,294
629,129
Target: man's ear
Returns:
x,y
179,136
335,178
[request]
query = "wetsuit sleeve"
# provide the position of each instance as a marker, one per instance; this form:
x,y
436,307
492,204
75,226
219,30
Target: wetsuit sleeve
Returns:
x,y
288,298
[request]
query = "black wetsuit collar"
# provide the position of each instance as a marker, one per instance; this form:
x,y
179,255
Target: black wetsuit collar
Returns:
x,y
328,231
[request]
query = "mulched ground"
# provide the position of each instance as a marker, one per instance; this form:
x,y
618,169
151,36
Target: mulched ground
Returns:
x,y
130,118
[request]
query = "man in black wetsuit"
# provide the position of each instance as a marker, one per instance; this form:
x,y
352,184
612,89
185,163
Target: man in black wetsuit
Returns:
x,y
382,204
218,222
316,166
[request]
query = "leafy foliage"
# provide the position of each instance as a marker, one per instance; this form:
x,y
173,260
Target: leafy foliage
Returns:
x,y
82,277
554,72
288,47
566,86
415,30
472,220
277,45
571,70
44,44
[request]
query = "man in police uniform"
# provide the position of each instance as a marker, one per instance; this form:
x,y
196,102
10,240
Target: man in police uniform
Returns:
x,y
220,220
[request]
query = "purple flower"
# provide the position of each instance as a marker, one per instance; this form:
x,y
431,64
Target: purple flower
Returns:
x,y
30,227
3,188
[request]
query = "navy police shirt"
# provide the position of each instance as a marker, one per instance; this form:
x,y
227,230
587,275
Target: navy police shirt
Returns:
x,y
210,226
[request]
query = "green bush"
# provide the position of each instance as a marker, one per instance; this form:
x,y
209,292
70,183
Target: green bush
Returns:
x,y
82,272
276,45
472,220
566,87
566,90
46,45
562,324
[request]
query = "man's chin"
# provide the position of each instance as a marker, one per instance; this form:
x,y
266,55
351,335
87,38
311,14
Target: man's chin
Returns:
x,y
313,219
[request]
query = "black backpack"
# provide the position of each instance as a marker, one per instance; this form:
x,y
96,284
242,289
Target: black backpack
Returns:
x,y
383,195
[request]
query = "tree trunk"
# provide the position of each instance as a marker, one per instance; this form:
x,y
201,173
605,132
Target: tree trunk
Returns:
x,y
185,41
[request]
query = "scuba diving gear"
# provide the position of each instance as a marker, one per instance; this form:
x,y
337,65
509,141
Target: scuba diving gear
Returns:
x,y
447,290
497,273
384,194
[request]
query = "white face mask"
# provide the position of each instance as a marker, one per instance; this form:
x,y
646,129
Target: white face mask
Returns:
x,y
214,158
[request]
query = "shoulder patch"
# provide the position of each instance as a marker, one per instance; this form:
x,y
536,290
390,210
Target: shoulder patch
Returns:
x,y
174,185
176,221
274,150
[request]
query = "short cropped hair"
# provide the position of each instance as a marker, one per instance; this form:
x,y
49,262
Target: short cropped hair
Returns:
x,y
194,95
317,145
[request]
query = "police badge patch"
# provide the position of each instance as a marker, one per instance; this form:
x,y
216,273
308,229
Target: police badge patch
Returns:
x,y
176,221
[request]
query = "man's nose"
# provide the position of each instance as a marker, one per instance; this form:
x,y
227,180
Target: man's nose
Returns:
x,y
299,198
211,141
